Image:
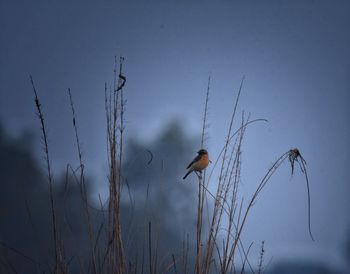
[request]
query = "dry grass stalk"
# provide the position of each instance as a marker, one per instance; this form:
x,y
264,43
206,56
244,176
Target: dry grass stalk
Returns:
x,y
59,265
115,129
83,192
261,257
201,190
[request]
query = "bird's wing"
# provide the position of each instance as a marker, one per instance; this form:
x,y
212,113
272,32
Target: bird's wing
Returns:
x,y
194,160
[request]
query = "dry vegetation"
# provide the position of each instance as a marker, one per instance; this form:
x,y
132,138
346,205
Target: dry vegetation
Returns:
x,y
221,215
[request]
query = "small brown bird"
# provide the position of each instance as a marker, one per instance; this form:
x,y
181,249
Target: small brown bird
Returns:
x,y
199,163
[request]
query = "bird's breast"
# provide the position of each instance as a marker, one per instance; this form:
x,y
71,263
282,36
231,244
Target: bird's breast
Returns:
x,y
201,164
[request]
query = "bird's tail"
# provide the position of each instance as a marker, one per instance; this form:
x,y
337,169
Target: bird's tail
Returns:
x,y
188,172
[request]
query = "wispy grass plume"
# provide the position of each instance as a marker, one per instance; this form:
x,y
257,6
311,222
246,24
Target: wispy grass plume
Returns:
x,y
58,263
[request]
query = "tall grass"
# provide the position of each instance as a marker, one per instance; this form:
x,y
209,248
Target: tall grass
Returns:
x,y
227,214
221,215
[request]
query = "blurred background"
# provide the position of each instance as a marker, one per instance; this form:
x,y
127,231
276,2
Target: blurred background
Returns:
x,y
295,58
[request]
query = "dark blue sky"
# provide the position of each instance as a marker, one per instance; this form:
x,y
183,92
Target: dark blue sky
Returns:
x,y
296,60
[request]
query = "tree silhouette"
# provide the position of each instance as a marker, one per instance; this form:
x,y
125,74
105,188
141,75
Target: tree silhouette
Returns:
x,y
153,194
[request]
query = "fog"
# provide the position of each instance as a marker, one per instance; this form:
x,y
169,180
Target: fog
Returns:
x,y
295,59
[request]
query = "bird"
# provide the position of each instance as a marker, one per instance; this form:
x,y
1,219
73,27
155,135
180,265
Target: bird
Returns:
x,y
199,163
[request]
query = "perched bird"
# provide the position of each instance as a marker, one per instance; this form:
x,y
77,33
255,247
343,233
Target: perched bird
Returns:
x,y
199,163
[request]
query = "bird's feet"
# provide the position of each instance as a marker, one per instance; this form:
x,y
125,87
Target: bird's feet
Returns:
x,y
199,174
